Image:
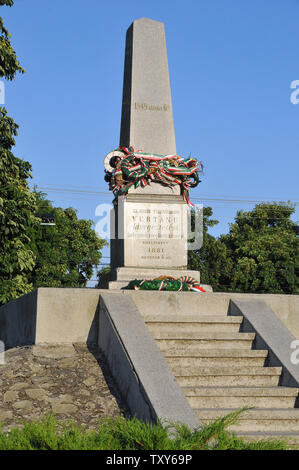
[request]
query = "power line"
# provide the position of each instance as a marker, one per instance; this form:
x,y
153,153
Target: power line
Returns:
x,y
95,189
202,198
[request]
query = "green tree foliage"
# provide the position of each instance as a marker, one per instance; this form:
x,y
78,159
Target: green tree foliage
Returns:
x,y
67,252
9,64
211,259
260,253
8,3
264,249
103,277
33,255
17,206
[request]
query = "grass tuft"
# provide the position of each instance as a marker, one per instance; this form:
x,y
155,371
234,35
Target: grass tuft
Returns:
x,y
130,434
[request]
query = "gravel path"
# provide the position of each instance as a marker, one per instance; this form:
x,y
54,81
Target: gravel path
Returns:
x,y
70,380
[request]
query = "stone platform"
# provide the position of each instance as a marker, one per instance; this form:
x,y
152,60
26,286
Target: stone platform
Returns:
x,y
34,379
120,277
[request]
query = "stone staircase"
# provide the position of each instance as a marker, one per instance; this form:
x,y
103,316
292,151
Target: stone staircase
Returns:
x,y
219,372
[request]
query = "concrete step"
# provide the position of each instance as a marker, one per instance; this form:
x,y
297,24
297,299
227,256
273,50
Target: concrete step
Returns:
x,y
227,377
218,353
181,303
189,341
238,397
207,335
212,357
196,323
256,420
214,371
190,317
117,285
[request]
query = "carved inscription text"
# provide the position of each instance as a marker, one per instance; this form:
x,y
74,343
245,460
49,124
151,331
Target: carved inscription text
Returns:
x,y
150,107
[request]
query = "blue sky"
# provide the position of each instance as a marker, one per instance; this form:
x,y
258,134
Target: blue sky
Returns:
x,y
231,65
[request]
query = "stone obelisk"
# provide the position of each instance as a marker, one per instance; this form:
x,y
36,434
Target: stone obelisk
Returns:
x,y
149,225
147,120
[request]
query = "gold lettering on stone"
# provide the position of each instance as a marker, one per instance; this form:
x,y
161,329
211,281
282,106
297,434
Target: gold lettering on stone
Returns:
x,y
150,107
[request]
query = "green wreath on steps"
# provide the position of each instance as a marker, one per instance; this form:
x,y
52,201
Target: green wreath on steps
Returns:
x,y
166,283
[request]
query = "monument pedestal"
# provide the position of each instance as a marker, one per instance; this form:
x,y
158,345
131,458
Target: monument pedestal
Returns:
x,y
149,236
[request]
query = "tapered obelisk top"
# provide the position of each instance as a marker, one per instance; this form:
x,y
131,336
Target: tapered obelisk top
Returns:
x,y
149,20
147,120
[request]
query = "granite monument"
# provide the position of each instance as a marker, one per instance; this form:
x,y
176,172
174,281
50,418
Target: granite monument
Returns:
x,y
148,223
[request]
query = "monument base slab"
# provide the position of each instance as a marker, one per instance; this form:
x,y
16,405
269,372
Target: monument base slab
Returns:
x,y
120,277
128,274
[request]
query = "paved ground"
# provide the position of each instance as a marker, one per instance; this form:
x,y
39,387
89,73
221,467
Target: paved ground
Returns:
x,y
72,381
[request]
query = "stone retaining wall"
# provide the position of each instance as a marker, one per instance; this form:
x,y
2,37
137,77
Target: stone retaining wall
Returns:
x,y
70,380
